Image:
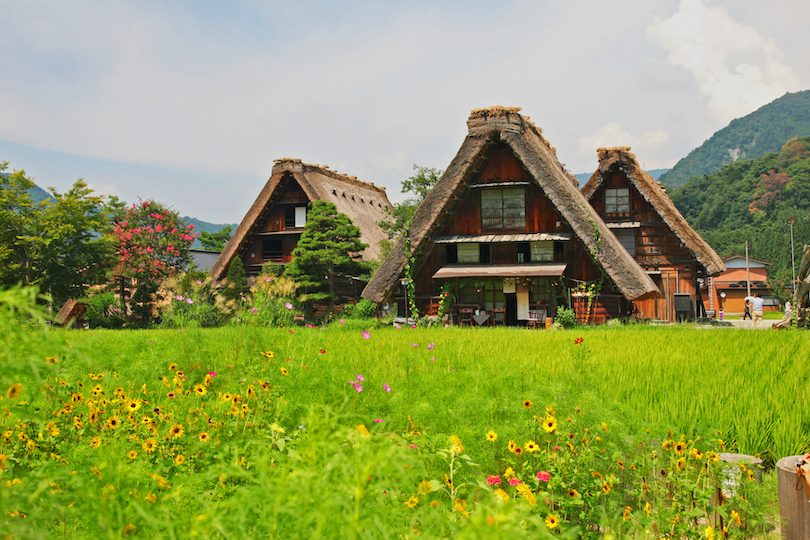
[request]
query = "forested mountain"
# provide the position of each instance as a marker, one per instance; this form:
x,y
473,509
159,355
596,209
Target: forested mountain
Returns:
x,y
753,200
764,130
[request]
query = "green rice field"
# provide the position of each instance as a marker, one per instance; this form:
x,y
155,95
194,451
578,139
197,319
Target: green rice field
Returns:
x,y
360,431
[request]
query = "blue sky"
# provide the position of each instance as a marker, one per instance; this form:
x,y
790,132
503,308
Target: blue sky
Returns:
x,y
190,102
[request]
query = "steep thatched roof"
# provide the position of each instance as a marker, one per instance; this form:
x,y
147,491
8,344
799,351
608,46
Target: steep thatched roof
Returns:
x,y
620,158
362,201
70,310
488,127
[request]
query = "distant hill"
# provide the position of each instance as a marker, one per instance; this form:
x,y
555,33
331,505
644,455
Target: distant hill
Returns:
x,y
38,194
753,200
764,130
584,177
204,226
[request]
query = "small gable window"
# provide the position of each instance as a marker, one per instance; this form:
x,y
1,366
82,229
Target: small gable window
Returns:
x,y
627,237
468,253
503,208
617,200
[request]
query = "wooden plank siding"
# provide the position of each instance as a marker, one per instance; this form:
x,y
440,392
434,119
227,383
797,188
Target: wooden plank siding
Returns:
x,y
657,249
502,167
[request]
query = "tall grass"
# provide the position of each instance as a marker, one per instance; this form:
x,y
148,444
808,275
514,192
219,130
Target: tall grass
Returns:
x,y
302,452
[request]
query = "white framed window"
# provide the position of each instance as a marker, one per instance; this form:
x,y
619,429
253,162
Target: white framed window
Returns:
x,y
503,208
300,216
617,200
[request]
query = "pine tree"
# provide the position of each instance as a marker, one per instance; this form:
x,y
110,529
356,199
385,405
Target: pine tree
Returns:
x,y
324,251
236,280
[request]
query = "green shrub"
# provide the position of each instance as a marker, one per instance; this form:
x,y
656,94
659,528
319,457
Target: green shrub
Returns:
x,y
364,309
104,311
566,317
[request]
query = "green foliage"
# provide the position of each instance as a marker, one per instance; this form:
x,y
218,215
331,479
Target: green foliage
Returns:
x,y
236,285
103,311
324,251
269,301
400,214
215,241
364,309
761,132
57,244
566,317
192,303
753,200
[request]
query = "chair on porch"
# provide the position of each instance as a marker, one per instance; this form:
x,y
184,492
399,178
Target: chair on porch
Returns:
x,y
499,316
465,315
537,318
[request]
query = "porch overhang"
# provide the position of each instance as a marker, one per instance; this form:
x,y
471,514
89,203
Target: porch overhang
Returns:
x,y
502,238
500,271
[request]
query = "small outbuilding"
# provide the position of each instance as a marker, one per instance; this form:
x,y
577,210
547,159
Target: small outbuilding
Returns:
x,y
71,314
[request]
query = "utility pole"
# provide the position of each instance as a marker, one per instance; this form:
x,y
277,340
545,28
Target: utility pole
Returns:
x,y
747,270
792,256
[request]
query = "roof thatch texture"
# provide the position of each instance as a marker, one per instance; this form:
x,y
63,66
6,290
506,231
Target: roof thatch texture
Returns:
x,y
70,310
488,127
362,201
620,158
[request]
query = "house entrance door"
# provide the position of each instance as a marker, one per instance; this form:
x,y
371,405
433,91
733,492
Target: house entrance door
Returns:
x,y
511,309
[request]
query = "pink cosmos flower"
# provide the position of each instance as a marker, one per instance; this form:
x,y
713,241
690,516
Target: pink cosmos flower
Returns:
x,y
212,373
180,297
267,279
433,359
398,327
543,476
387,388
412,447
493,480
342,321
413,327
360,378
287,305
414,344
189,300
199,282
366,334
514,481
378,420
309,325
431,346
254,310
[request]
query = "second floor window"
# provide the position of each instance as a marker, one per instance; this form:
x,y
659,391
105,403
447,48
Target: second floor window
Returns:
x,y
503,208
617,200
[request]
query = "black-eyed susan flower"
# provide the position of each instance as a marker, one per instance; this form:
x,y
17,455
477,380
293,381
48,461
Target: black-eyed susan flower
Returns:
x,y
51,360
200,389
549,424
573,493
179,459
606,487
531,447
132,454
112,422
627,511
203,437
95,442
176,430
492,436
268,354
680,448
668,444
436,504
527,404
284,371
680,464
552,521
149,445
425,487
412,502
14,391
173,366
511,446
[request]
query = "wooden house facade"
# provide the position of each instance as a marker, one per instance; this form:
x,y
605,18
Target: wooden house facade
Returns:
x,y
271,228
638,211
726,292
505,228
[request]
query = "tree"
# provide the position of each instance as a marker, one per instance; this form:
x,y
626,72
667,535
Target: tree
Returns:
x,y
216,241
57,244
152,243
400,214
323,252
236,284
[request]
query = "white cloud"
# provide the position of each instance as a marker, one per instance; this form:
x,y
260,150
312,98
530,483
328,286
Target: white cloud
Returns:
x,y
737,68
646,145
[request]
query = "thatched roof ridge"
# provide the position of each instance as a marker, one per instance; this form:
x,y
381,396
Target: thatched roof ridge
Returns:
x,y
486,128
620,157
363,202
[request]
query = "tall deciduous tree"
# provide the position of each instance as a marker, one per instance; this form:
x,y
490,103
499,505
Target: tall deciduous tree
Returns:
x,y
216,241
57,244
324,250
400,214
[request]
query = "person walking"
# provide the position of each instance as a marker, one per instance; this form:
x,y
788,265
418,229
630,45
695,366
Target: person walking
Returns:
x,y
788,309
747,312
758,305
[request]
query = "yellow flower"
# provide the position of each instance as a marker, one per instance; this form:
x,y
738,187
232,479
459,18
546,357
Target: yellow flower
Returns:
x,y
647,508
550,424
627,511
129,529
680,448
425,487
203,437
527,404
457,447
284,371
51,360
668,444
132,454
509,473
573,493
151,498
3,459
362,430
708,533
459,506
412,502
511,446
173,366
606,488
95,442
750,475
179,459
14,391
531,446
526,492
696,454
492,436
552,521
721,443
604,426
268,354
149,445
549,411
434,504
112,422
200,389
501,494
176,430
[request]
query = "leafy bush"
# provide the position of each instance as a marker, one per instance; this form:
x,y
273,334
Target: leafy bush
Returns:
x,y
104,311
364,309
269,302
566,317
192,303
